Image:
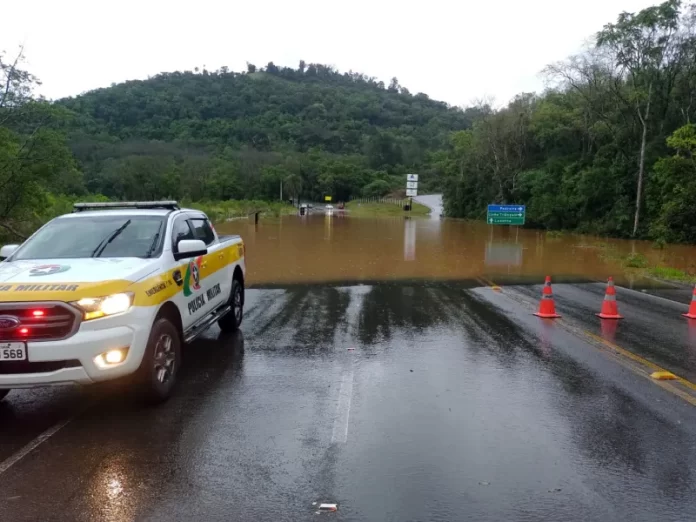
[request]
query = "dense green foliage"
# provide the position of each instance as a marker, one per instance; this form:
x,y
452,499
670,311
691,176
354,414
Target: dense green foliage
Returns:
x,y
594,153
215,136
35,161
222,134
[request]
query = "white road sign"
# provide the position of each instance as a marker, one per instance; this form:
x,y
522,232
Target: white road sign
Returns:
x,y
411,177
411,192
412,184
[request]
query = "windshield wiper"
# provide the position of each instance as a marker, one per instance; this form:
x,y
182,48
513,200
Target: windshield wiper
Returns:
x,y
105,242
154,242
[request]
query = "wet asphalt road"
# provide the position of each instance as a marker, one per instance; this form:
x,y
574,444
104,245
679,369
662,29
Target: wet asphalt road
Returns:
x,y
434,202
400,402
652,327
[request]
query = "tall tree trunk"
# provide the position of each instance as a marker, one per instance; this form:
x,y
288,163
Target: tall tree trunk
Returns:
x,y
641,164
641,169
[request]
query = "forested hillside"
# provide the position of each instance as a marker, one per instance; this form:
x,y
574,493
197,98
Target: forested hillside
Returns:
x,y
214,135
222,134
610,149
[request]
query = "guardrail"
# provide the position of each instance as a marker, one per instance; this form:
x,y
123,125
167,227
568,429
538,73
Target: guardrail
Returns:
x,y
392,201
245,215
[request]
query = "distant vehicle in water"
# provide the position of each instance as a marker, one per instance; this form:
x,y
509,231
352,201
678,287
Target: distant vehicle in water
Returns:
x,y
329,209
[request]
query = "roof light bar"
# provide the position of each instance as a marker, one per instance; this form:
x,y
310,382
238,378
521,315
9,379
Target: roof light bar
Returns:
x,y
111,205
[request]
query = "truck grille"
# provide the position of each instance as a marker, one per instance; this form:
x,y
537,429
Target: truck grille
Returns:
x,y
49,321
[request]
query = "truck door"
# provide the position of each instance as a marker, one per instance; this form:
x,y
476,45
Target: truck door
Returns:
x,y
186,273
215,281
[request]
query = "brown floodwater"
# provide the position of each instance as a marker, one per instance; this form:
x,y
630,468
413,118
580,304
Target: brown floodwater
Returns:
x,y
334,249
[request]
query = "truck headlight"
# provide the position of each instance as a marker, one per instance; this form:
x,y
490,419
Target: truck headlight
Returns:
x,y
95,307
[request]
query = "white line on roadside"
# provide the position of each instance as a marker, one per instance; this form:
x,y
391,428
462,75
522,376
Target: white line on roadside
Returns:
x,y
345,397
50,432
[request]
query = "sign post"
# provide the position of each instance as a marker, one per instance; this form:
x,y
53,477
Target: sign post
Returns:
x,y
411,188
506,214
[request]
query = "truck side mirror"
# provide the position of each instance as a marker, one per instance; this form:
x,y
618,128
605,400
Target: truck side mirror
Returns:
x,y
187,248
7,250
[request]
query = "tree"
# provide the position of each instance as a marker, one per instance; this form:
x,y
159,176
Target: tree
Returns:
x,y
16,85
33,156
293,185
673,191
394,85
643,45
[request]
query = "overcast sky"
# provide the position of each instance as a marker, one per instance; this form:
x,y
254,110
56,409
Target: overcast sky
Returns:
x,y
457,50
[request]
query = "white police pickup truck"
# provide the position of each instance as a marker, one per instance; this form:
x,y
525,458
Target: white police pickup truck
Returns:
x,y
113,290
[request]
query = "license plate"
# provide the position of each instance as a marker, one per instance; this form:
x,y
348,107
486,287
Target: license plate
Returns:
x,y
13,351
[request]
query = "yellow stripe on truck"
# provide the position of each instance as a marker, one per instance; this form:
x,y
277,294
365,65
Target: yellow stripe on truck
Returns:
x,y
160,288
148,292
65,292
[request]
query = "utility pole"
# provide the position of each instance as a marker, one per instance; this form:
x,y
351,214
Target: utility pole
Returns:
x,y
281,190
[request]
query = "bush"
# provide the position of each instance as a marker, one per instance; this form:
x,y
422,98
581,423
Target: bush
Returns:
x,y
636,260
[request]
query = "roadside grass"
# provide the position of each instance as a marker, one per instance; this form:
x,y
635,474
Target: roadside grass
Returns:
x,y
222,210
384,209
555,234
640,265
671,274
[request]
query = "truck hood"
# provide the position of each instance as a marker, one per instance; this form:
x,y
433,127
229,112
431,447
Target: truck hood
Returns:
x,y
70,279
89,270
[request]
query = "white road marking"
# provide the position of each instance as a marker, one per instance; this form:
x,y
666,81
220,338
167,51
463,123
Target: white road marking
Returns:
x,y
50,432
345,397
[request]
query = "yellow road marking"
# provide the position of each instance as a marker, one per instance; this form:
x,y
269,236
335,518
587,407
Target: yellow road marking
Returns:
x,y
644,363
490,283
481,281
640,360
663,376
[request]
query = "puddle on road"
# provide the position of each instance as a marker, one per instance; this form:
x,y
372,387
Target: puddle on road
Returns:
x,y
325,249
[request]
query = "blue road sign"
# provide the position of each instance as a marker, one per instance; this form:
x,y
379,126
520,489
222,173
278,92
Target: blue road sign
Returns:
x,y
506,214
507,208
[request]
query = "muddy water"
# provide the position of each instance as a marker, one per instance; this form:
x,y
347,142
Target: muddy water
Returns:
x,y
335,248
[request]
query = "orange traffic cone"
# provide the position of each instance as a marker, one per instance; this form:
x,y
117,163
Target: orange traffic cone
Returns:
x,y
610,309
609,328
692,307
547,308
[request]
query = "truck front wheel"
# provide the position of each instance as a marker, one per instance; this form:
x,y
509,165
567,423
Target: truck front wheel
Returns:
x,y
231,321
160,366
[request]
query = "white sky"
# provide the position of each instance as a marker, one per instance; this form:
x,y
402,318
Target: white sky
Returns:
x,y
456,50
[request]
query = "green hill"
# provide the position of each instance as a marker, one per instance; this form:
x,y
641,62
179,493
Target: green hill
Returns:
x,y
223,134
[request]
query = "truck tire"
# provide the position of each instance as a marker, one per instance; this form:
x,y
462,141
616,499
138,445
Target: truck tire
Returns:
x,y
160,366
231,321
3,394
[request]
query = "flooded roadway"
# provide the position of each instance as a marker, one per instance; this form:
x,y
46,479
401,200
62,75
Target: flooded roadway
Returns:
x,y
336,248
399,385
